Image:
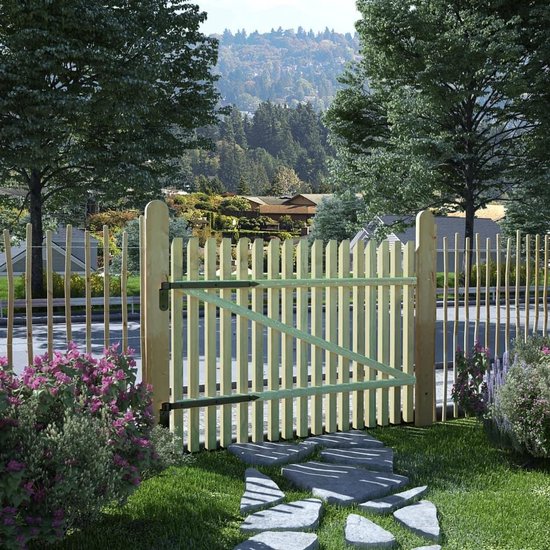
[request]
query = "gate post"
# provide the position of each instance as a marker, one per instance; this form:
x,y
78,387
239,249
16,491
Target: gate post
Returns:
x,y
155,362
425,318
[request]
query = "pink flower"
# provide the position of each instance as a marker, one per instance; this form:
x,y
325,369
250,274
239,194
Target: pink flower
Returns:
x,y
14,466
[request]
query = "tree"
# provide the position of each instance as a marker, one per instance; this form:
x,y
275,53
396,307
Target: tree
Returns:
x,y
286,182
337,217
99,97
427,117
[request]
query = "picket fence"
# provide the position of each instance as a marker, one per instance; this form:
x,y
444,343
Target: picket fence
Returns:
x,y
306,365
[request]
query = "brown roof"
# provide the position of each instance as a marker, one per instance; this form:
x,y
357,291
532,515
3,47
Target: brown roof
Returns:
x,y
314,198
287,209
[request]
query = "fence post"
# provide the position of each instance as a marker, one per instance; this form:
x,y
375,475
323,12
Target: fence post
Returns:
x,y
424,349
155,362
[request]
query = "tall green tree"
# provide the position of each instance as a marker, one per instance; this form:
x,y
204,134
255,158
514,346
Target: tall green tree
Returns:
x,y
428,117
99,96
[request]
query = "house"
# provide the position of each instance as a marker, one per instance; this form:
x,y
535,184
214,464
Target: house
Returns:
x,y
447,226
58,253
299,207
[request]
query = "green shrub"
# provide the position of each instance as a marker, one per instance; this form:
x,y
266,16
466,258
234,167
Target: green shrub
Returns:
x,y
78,285
520,397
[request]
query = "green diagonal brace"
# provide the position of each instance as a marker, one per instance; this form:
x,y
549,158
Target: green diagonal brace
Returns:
x,y
301,335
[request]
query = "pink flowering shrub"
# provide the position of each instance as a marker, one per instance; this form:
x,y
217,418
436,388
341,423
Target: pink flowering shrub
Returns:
x,y
470,389
75,434
520,398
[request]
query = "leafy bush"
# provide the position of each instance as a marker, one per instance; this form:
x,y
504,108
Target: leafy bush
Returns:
x,y
75,434
470,389
520,398
234,206
78,285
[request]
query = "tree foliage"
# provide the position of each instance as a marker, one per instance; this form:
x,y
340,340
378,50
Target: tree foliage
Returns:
x,y
338,217
99,97
430,115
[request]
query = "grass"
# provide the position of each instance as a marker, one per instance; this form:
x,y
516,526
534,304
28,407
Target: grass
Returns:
x,y
487,499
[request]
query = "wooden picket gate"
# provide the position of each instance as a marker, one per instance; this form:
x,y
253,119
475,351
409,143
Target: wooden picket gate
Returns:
x,y
324,337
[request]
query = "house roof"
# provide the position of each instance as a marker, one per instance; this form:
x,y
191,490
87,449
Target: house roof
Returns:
x,y
265,199
289,209
446,227
59,239
314,198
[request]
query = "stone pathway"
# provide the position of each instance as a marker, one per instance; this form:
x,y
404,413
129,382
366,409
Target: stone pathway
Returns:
x,y
354,468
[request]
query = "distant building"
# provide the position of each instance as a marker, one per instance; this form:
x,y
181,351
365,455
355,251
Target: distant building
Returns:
x,y
446,227
299,207
18,253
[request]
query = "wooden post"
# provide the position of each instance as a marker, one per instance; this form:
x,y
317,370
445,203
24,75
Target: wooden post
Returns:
x,y
156,369
425,318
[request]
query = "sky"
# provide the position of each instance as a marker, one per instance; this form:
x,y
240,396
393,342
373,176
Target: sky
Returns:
x,y
263,15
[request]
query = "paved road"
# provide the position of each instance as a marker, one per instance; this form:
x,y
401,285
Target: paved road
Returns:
x,y
78,329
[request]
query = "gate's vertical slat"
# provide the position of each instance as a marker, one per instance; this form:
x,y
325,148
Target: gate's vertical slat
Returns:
x,y
11,297
445,305
382,400
497,296
258,343
370,332
358,299
507,293
88,293
176,329
396,339
28,292
467,263
210,345
287,351
49,290
106,285
124,290
487,290
408,331
537,297
455,320
518,278
302,271
193,345
527,284
545,287
478,290
316,330
343,334
331,296
273,339
67,285
226,332
242,342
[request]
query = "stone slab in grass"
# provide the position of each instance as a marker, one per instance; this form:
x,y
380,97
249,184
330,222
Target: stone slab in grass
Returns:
x,y
389,504
379,459
269,454
363,533
432,547
420,518
301,515
260,492
343,485
275,540
344,440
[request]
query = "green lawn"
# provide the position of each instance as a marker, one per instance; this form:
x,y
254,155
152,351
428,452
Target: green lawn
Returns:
x,y
487,499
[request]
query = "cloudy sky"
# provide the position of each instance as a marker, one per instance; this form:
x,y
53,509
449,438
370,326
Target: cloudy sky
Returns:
x,y
263,15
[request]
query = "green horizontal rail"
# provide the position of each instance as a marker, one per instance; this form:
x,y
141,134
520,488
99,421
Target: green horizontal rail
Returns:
x,y
301,335
279,283
292,283
286,393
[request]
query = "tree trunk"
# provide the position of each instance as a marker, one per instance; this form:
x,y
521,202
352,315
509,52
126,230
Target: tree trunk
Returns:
x,y
470,213
37,278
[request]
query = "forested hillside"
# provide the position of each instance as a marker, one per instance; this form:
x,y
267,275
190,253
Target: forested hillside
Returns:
x,y
279,150
282,66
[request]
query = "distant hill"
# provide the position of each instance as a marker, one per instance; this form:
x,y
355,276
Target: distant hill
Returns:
x,y
282,66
